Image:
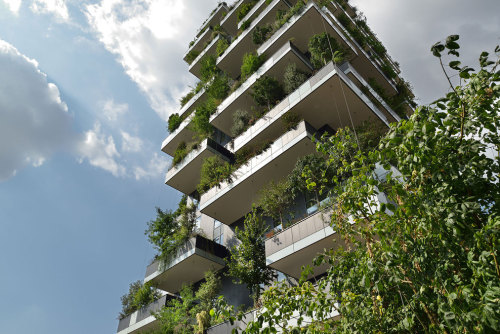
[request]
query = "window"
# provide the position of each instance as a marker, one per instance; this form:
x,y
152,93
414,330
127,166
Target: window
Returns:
x,y
217,223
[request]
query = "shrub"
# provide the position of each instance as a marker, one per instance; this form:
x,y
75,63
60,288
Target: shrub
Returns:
x,y
244,26
245,8
377,47
191,56
222,45
246,153
267,91
290,121
208,68
251,63
241,120
324,48
388,70
283,18
138,296
219,87
275,200
293,78
173,122
179,154
213,172
261,34
185,99
200,122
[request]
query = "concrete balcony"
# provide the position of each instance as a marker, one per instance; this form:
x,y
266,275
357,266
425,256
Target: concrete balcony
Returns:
x,y
226,327
297,246
199,42
231,201
186,175
191,105
229,22
209,50
329,97
254,12
230,61
242,98
188,265
214,18
142,321
182,134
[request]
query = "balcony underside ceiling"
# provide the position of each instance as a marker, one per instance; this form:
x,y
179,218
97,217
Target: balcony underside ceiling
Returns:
x,y
237,201
170,144
187,177
144,326
188,271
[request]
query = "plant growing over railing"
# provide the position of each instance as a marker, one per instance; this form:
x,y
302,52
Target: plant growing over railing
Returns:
x,y
324,48
283,18
174,121
138,296
248,152
293,78
275,201
241,119
214,171
245,9
251,63
290,121
218,88
267,91
200,122
208,68
191,56
261,34
222,46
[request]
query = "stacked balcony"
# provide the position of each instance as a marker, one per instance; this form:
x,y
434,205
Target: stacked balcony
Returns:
x,y
188,265
143,320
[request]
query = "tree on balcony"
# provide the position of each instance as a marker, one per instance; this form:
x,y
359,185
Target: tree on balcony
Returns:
x,y
138,296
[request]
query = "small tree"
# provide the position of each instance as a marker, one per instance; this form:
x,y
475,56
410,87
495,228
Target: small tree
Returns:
x,y
173,122
213,172
267,91
161,230
251,63
138,296
324,48
178,315
293,78
260,34
275,200
247,263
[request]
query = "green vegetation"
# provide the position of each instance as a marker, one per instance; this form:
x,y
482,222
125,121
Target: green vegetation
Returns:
x,y
208,68
174,121
191,56
251,63
244,26
324,48
425,260
261,34
138,296
247,264
293,78
214,171
170,230
222,45
290,121
241,120
200,122
267,92
190,313
284,17
275,201
244,9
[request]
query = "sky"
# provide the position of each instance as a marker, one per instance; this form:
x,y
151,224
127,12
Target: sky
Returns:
x,y
86,88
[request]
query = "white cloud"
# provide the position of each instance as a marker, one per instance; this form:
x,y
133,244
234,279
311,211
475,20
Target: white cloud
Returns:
x,y
131,143
13,5
100,151
34,122
112,110
149,38
156,167
55,7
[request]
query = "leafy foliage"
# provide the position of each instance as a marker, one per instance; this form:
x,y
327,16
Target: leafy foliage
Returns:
x,y
191,56
222,46
247,263
214,171
324,48
261,34
290,121
251,63
173,122
138,296
425,258
200,122
208,68
293,78
267,91
219,87
241,119
275,200
244,9
180,153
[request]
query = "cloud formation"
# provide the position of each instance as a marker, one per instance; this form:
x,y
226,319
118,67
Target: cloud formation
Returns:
x,y
131,143
57,8
13,5
156,166
149,38
34,121
113,110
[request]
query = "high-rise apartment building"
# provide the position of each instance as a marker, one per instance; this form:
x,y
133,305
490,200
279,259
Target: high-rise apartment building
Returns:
x,y
268,84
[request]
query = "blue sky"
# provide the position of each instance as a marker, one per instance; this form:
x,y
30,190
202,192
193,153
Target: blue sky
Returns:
x,y
85,91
